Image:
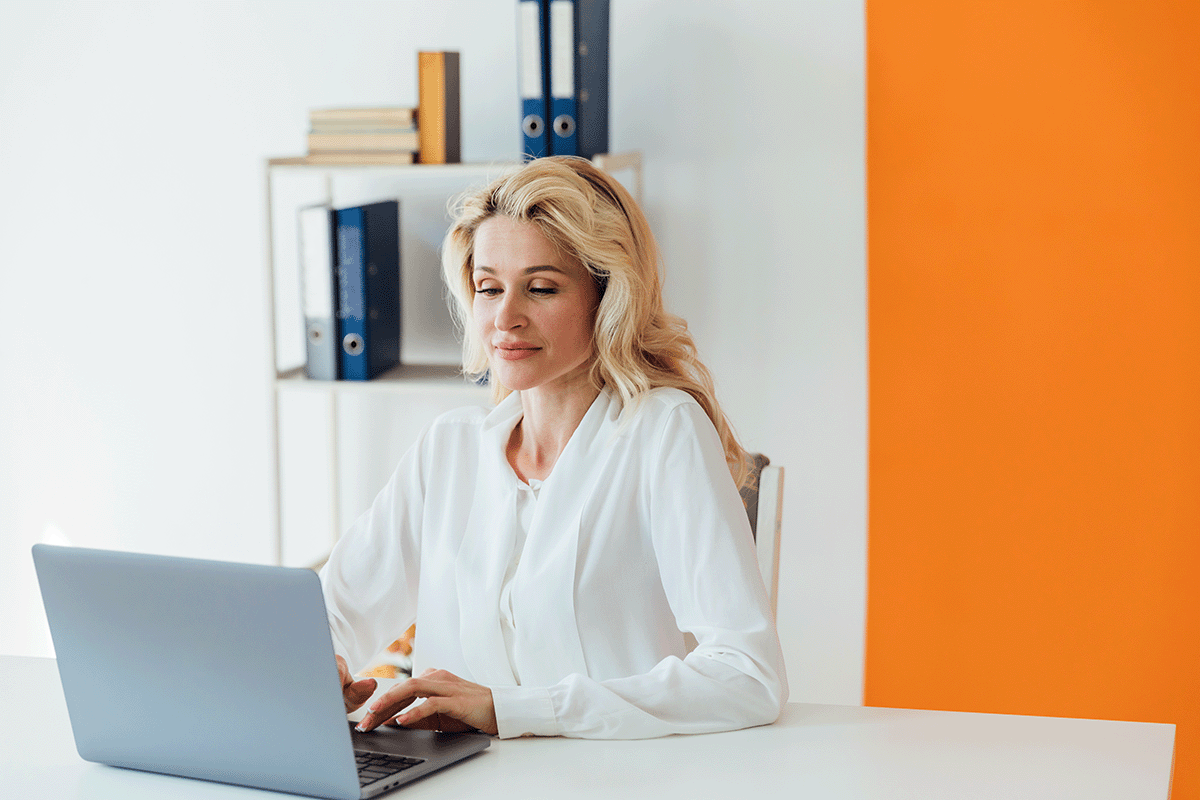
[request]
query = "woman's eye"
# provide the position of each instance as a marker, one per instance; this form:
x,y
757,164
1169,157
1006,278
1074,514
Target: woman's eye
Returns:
x,y
490,291
543,290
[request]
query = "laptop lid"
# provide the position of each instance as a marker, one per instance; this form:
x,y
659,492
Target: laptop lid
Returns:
x,y
209,670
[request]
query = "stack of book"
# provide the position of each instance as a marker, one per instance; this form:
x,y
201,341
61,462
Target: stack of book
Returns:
x,y
362,135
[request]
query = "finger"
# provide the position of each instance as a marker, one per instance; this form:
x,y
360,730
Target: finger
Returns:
x,y
427,724
437,722
447,724
437,714
427,713
395,723
343,672
358,692
393,701
381,714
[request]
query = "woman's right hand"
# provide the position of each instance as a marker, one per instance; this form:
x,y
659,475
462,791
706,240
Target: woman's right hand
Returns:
x,y
354,693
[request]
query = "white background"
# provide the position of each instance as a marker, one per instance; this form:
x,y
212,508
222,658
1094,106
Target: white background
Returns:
x,y
134,374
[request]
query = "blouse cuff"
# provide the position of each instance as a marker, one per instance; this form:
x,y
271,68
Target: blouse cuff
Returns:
x,y
524,711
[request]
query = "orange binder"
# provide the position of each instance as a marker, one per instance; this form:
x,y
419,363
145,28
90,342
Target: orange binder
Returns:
x,y
438,118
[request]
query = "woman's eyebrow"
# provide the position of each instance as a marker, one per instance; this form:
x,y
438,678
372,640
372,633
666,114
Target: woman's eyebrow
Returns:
x,y
526,271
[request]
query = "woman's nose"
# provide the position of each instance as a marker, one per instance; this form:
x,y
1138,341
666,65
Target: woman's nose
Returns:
x,y
511,312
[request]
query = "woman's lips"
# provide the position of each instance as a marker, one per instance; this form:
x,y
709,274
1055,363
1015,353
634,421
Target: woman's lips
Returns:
x,y
516,352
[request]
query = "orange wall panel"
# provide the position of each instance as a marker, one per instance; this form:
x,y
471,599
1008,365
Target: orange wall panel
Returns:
x,y
1033,205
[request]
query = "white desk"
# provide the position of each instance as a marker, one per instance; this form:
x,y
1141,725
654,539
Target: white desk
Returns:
x,y
813,751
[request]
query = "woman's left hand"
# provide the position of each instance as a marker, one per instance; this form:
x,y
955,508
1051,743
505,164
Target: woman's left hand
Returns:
x,y
451,704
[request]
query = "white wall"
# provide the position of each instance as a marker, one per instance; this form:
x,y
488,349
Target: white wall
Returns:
x,y
134,399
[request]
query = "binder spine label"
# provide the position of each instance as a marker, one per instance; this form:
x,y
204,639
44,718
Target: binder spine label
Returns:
x,y
531,50
351,322
562,48
349,272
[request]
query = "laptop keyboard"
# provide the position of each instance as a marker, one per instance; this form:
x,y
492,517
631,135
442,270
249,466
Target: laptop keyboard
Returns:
x,y
377,766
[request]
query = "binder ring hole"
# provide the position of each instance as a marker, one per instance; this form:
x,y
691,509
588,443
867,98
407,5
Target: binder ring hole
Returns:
x,y
315,335
352,344
533,125
564,125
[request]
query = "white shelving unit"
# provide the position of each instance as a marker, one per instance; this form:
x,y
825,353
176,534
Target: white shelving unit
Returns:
x,y
428,380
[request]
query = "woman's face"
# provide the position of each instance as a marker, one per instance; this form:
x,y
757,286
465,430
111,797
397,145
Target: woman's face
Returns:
x,y
534,307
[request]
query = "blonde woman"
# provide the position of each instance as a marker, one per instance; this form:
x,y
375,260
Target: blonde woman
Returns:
x,y
554,551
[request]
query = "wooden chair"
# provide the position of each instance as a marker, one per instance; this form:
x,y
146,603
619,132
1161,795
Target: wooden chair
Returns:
x,y
763,498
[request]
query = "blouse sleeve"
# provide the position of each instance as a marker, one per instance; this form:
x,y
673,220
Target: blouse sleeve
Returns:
x,y
735,676
371,579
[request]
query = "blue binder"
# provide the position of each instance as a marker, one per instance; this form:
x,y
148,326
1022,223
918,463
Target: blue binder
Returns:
x,y
533,77
578,77
368,278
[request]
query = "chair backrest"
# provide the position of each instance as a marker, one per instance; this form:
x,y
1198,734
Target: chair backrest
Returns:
x,y
763,497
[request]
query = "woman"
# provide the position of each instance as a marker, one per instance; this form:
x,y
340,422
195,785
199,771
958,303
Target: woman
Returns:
x,y
554,550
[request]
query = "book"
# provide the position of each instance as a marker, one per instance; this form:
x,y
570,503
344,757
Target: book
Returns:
x,y
438,117
346,142
388,117
378,126
361,157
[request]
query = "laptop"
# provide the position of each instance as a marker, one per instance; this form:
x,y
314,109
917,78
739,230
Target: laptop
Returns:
x,y
218,671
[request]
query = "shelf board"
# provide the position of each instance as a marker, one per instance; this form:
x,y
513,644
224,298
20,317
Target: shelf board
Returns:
x,y
402,379
474,166
630,161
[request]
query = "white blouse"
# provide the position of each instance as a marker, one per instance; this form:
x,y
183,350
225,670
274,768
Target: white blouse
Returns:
x,y
526,500
637,535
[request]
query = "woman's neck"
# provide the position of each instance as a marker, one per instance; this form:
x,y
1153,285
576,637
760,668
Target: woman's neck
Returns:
x,y
548,421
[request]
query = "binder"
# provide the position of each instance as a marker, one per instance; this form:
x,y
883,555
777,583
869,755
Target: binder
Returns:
x,y
439,123
578,77
368,279
318,288
533,77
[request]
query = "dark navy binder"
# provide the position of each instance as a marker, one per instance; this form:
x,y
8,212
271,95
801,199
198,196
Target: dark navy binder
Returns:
x,y
533,77
578,77
368,277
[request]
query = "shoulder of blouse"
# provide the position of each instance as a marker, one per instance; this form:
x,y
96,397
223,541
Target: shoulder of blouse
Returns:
x,y
654,408
661,400
452,430
467,415
670,397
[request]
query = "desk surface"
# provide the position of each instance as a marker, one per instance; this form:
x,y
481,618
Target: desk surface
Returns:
x,y
813,751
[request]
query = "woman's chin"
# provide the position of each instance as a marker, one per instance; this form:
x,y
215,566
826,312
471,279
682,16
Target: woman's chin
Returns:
x,y
514,380
523,377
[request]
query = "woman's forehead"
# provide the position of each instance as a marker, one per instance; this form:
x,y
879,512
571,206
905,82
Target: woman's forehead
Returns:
x,y
503,243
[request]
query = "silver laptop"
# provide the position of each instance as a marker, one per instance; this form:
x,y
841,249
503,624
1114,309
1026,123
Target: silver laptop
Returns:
x,y
219,671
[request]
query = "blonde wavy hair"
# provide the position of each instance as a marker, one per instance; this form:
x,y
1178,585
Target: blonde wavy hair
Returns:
x,y
589,215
